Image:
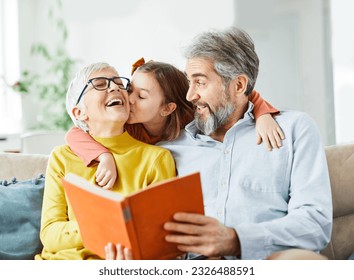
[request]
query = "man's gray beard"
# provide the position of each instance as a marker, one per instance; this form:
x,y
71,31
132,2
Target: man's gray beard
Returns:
x,y
215,119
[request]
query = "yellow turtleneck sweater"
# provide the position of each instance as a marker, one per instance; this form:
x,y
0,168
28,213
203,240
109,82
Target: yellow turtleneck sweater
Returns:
x,y
138,164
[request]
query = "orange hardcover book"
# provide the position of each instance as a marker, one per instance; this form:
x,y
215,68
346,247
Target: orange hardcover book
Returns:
x,y
135,221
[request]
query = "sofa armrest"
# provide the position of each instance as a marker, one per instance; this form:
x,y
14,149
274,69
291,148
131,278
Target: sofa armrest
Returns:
x,y
340,160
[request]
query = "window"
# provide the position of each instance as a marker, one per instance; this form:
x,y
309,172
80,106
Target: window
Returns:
x,y
343,68
10,101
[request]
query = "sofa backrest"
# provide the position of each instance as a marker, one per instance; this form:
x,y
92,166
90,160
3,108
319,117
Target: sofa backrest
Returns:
x,y
340,159
22,166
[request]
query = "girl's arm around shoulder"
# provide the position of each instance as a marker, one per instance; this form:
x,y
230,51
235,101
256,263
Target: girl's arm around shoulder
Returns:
x,y
84,146
267,129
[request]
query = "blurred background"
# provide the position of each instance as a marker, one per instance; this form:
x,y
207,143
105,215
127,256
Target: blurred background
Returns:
x,y
306,50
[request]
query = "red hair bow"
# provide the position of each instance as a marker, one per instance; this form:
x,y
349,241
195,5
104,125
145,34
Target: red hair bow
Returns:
x,y
137,64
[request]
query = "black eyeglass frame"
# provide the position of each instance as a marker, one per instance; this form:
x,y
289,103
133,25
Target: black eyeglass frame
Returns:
x,y
109,83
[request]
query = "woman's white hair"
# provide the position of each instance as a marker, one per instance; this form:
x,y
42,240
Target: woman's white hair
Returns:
x,y
75,88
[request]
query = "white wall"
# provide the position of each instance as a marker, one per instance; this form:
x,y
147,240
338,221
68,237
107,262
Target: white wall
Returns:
x,y
291,38
119,32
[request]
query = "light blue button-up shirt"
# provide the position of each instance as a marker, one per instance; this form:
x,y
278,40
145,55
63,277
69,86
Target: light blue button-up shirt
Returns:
x,y
273,199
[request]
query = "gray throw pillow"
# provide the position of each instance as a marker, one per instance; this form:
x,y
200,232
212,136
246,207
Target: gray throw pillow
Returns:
x,y
20,217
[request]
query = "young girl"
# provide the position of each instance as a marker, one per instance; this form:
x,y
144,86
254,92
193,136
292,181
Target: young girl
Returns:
x,y
158,112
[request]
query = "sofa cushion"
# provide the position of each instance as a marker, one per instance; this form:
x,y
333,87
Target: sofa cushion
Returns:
x,y
20,215
340,160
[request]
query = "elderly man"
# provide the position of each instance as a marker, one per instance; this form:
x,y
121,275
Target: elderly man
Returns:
x,y
256,202
97,101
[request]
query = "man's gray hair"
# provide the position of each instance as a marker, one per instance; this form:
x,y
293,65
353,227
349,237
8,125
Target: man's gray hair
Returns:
x,y
232,52
75,88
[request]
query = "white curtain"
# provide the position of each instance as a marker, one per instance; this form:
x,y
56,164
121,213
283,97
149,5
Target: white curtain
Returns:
x,y
10,101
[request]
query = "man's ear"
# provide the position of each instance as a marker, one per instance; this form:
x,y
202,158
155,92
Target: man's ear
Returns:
x,y
79,113
240,84
168,109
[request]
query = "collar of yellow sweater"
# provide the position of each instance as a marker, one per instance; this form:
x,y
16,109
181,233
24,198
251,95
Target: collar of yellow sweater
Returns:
x,y
117,143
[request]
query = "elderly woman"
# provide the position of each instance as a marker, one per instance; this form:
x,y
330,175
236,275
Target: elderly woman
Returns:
x,y
97,101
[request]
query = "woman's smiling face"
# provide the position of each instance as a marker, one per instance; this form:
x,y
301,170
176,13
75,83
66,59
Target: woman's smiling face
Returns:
x,y
110,105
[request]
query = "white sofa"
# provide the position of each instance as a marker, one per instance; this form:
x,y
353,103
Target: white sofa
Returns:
x,y
341,167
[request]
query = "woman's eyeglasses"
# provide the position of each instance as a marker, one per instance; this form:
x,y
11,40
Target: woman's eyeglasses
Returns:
x,y
103,83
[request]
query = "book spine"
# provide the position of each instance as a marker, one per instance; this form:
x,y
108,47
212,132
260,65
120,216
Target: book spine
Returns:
x,y
129,221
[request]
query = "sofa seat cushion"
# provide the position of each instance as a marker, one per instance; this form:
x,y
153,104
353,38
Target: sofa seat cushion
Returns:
x,y
20,215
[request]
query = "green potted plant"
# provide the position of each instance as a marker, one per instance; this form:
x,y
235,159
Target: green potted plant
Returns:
x,y
50,85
